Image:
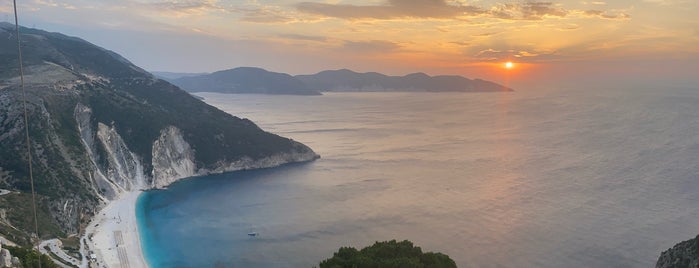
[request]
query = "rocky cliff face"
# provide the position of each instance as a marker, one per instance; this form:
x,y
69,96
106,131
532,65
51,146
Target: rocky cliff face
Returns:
x,y
173,158
101,126
682,255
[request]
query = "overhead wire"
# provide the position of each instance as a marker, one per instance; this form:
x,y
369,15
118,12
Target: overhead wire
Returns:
x,y
26,124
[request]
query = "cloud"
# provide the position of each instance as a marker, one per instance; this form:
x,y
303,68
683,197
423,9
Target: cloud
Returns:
x,y
528,11
460,43
598,3
491,54
486,34
177,9
265,16
569,27
604,15
666,2
391,10
373,46
248,12
183,5
304,37
436,9
52,3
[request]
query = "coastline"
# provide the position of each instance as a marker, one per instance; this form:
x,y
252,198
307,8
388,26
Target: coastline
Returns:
x,y
112,239
112,235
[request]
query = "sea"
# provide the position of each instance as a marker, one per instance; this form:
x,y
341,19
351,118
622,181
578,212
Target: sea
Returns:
x,y
556,177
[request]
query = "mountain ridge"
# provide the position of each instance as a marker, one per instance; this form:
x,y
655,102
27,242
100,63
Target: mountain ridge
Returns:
x,y
245,80
101,126
261,81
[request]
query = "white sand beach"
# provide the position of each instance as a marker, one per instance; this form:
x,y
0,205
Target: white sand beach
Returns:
x,y
113,237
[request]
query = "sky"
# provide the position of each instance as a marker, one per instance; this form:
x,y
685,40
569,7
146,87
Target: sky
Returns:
x,y
582,41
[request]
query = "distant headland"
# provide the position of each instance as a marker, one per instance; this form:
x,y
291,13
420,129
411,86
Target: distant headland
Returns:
x,y
260,81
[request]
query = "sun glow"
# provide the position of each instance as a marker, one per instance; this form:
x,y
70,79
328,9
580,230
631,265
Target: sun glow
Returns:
x,y
509,65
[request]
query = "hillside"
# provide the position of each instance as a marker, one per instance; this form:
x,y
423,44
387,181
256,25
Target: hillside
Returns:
x,y
245,80
101,126
347,80
683,255
260,81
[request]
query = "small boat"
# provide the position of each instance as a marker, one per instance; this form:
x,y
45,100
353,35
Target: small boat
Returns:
x,y
253,234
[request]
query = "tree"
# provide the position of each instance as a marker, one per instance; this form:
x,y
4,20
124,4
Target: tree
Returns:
x,y
387,254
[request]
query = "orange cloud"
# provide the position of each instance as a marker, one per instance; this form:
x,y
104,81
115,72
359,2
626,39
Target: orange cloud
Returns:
x,y
391,10
528,11
604,15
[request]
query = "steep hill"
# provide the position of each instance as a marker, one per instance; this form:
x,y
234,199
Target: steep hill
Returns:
x,y
101,126
245,80
260,81
347,80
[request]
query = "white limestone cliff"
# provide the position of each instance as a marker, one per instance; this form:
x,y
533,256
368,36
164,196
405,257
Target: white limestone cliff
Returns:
x,y
173,158
125,168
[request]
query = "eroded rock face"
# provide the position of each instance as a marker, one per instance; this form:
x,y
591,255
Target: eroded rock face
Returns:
x,y
683,255
173,158
100,184
125,169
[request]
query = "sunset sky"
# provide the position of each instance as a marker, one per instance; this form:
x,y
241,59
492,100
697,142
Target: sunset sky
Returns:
x,y
569,39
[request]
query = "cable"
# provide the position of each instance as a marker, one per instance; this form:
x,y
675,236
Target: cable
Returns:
x,y
26,124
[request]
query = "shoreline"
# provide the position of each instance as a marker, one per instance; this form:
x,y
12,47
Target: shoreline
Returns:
x,y
112,235
112,239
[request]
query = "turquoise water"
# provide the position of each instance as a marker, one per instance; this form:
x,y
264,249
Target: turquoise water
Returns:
x,y
192,224
544,178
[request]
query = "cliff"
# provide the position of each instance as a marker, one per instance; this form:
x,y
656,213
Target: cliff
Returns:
x,y
101,126
683,255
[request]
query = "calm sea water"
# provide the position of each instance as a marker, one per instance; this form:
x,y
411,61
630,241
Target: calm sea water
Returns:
x,y
541,178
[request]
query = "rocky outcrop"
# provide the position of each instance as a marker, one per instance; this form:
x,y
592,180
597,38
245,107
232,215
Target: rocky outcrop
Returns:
x,y
100,184
683,255
124,167
6,259
173,158
266,162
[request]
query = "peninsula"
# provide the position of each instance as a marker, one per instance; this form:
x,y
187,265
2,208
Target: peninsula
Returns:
x,y
103,130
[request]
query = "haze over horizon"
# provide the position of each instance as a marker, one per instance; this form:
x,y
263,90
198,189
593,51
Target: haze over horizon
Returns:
x,y
578,41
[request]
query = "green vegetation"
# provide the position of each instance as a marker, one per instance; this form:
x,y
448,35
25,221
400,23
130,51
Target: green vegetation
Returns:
x,y
31,258
18,207
683,255
387,254
122,96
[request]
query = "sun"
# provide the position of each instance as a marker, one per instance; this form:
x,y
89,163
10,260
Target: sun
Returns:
x,y
509,65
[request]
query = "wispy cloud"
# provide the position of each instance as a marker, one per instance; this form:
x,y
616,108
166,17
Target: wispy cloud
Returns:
x,y
391,9
528,11
605,15
373,46
52,3
441,9
667,2
492,54
266,16
304,37
598,3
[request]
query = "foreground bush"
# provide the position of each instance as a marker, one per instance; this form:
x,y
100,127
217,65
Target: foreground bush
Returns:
x,y
387,254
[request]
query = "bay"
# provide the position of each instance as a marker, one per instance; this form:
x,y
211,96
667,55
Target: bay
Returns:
x,y
541,178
